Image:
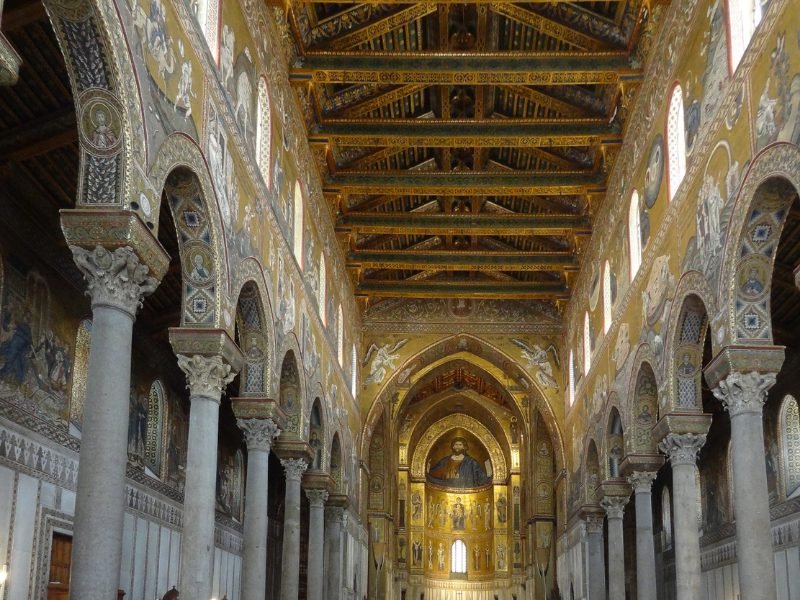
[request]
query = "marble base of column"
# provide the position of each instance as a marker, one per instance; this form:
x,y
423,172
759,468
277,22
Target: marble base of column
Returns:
x,y
597,563
290,579
682,451
316,542
743,394
642,482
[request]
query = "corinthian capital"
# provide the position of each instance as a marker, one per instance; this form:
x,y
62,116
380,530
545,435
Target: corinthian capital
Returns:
x,y
744,392
594,524
642,481
207,375
317,497
115,278
259,433
682,449
614,506
294,467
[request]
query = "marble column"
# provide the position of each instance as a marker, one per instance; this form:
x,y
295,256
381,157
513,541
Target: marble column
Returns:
x,y
259,434
334,515
290,580
207,377
316,542
682,450
597,565
116,284
743,395
642,482
615,507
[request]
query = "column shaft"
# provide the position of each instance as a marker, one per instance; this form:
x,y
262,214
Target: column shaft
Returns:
x,y
333,566
316,543
290,580
743,394
597,564
100,499
645,549
614,506
687,540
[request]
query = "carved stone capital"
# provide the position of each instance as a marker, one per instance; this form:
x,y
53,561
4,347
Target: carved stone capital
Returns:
x,y
317,498
259,433
594,523
744,392
614,506
115,278
207,375
642,481
682,449
334,514
294,467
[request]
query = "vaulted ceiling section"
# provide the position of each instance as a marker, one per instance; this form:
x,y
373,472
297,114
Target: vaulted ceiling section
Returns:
x,y
465,145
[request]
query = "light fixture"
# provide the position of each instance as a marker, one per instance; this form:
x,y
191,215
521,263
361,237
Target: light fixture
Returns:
x,y
3,574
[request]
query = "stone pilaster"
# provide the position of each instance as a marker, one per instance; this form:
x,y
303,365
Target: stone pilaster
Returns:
x,y
682,451
116,283
316,542
596,556
290,581
743,395
615,508
210,360
259,434
642,483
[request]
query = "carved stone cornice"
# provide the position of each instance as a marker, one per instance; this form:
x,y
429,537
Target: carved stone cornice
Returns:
x,y
115,279
338,500
259,433
744,392
316,497
294,468
287,448
641,461
318,480
206,342
682,449
614,506
207,375
680,423
111,229
252,407
614,488
743,359
642,481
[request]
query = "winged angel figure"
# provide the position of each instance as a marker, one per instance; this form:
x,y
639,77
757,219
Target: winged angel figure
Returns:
x,y
383,358
538,357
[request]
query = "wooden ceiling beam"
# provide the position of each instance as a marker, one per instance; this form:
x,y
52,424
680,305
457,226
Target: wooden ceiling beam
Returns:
x,y
551,28
461,223
541,99
370,31
466,133
458,68
462,288
368,105
34,139
449,260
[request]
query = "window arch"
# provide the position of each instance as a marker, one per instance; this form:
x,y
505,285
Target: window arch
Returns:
x,y
156,400
743,18
353,371
634,234
789,436
606,297
323,282
666,518
297,224
264,133
458,557
571,378
207,14
676,141
340,337
587,344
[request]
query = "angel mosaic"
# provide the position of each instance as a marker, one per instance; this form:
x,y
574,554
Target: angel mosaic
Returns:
x,y
383,360
538,357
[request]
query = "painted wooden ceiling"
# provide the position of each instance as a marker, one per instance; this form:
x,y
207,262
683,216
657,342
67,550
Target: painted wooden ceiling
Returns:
x,y
465,145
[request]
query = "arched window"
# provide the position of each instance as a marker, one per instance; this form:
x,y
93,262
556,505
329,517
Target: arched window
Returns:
x,y
340,337
83,342
666,518
676,141
587,345
458,557
264,133
323,281
789,435
606,297
571,378
634,234
297,225
207,14
155,422
743,18
353,371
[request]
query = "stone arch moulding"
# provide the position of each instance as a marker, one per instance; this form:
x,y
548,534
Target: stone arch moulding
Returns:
x,y
755,225
290,343
641,412
251,271
103,79
255,338
200,227
450,422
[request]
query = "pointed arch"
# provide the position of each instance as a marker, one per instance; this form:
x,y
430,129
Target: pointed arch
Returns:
x,y
676,142
340,337
571,375
606,297
743,18
316,435
153,449
322,300
615,442
253,333
291,392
